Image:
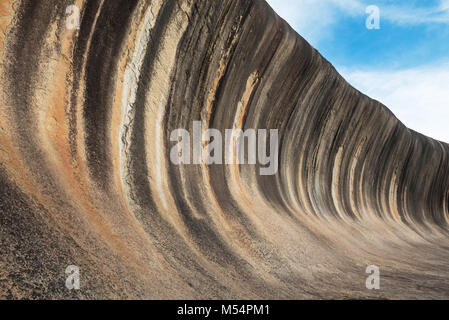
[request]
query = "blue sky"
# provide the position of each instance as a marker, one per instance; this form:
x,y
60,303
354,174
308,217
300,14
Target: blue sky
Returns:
x,y
404,64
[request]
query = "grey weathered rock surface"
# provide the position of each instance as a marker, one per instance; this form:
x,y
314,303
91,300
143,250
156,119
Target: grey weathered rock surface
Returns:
x,y
85,176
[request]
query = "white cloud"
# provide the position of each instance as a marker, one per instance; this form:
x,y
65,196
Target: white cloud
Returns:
x,y
444,5
419,97
416,16
310,18
314,19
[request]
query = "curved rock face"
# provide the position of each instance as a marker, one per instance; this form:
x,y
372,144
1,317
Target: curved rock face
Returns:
x,y
86,178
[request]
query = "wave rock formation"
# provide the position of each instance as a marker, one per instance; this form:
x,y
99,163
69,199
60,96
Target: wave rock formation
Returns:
x,y
86,179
